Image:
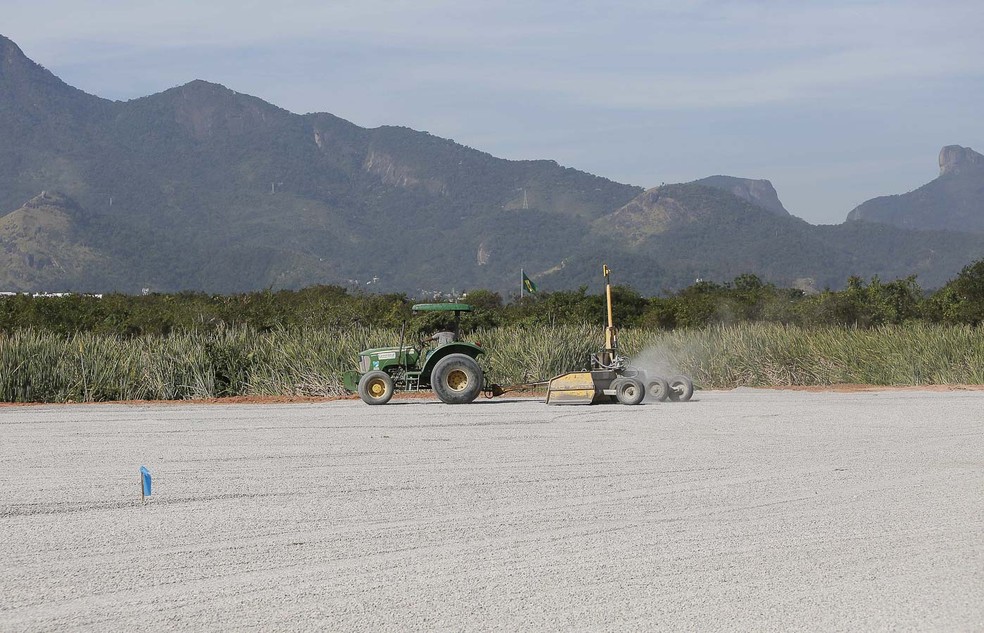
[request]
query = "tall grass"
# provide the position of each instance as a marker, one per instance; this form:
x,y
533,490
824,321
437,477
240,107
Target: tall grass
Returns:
x,y
45,367
770,355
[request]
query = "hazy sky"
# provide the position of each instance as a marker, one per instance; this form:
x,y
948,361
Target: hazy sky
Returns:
x,y
835,102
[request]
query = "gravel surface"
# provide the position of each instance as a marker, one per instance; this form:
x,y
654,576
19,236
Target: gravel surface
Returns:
x,y
753,510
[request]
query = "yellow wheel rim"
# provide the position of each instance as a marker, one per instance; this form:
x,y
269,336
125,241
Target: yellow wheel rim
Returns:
x,y
377,388
457,380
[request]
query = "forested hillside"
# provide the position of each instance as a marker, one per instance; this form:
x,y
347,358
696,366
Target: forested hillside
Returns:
x,y
203,188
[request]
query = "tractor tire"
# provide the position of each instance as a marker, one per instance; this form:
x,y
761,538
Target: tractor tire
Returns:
x,y
681,389
629,391
658,389
376,387
457,379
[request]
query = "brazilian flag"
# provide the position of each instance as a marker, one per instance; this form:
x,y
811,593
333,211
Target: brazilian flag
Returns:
x,y
528,284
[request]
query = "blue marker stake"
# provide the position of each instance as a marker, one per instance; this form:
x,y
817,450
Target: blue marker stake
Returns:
x,y
144,483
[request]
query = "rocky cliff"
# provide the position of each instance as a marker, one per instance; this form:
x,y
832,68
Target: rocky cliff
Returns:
x,y
955,159
954,201
759,192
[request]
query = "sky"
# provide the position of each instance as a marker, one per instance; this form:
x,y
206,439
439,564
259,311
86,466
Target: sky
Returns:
x,y
834,101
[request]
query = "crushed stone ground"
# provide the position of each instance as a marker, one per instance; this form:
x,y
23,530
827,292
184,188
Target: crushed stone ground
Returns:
x,y
748,510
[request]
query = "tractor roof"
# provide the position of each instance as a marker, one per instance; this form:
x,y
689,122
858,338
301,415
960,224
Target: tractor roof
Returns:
x,y
442,307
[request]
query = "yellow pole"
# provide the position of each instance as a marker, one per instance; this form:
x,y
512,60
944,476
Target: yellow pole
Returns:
x,y
610,330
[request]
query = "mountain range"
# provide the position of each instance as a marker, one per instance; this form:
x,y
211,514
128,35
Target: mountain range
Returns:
x,y
203,188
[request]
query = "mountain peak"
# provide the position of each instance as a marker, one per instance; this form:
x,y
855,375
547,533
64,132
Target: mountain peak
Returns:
x,y
41,245
195,90
54,199
671,207
954,158
200,85
759,192
14,63
208,94
954,201
9,50
29,86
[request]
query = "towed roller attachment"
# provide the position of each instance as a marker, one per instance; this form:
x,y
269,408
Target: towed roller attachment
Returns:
x,y
580,387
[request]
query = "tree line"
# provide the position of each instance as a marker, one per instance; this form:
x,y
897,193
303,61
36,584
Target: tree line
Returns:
x,y
745,299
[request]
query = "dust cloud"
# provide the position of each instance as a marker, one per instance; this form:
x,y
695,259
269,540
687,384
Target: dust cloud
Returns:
x,y
658,360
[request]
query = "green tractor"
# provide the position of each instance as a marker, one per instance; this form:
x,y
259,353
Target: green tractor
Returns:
x,y
449,367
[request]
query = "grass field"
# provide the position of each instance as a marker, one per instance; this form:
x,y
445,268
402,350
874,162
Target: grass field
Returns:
x,y
44,367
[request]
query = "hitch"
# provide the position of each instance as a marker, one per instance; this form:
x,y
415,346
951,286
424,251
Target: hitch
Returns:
x,y
494,391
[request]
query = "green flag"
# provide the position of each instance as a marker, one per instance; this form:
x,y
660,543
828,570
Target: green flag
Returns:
x,y
528,284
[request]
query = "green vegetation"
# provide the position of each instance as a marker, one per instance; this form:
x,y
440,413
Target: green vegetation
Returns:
x,y
746,299
746,332
163,314
46,367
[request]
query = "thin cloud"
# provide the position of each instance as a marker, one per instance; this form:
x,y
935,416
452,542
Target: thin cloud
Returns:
x,y
641,55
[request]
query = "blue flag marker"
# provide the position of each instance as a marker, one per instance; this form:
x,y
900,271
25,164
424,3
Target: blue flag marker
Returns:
x,y
144,482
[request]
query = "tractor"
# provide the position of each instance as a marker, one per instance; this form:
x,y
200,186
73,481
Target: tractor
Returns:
x,y
450,368
440,362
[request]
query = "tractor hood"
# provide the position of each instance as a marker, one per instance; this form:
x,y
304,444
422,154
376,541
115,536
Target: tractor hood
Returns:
x,y
383,357
375,351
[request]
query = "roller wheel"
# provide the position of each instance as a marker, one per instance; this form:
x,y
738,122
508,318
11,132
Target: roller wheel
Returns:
x,y
616,384
376,387
457,379
681,389
629,391
658,389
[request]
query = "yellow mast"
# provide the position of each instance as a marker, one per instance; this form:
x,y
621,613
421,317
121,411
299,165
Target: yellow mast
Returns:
x,y
610,330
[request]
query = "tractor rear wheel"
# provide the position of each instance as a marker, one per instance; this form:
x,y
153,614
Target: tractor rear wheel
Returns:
x,y
629,391
658,389
681,389
376,387
457,379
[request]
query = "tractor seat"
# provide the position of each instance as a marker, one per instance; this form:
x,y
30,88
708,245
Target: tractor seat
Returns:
x,y
443,337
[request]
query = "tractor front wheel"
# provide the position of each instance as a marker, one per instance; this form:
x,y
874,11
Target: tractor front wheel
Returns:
x,y
376,387
457,379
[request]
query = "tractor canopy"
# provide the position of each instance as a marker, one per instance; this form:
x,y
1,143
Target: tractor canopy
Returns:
x,y
444,337
441,307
